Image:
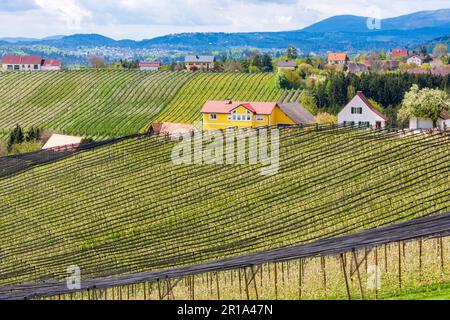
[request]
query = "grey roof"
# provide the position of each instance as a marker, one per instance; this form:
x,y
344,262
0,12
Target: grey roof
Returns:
x,y
296,112
287,64
357,67
209,59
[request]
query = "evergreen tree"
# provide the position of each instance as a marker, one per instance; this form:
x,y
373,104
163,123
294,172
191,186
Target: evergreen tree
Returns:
x,y
16,136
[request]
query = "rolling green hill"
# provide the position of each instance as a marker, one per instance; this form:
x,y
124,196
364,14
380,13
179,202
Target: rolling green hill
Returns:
x,y
115,102
126,207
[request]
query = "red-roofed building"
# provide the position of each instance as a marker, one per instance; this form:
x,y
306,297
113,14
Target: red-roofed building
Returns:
x,y
237,114
51,65
399,54
149,66
338,58
360,112
29,63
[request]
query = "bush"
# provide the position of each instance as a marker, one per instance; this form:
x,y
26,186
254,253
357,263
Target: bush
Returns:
x,y
326,118
24,147
3,149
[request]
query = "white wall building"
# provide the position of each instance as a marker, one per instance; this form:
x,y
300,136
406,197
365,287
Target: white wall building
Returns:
x,y
360,112
149,66
416,60
442,124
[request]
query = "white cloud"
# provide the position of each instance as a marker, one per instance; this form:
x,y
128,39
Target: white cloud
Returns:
x,y
139,19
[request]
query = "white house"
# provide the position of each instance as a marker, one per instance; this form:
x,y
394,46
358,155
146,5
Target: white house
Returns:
x,y
360,112
30,63
416,60
149,65
51,65
22,63
443,122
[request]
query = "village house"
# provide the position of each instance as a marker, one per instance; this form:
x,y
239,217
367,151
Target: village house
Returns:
x,y
360,112
237,114
389,65
51,65
338,58
286,65
30,63
149,65
199,63
415,60
354,68
399,54
442,124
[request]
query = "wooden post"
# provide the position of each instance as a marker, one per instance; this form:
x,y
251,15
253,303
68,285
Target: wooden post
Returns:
x,y
377,268
240,283
217,286
385,259
322,260
159,290
441,245
254,282
400,265
246,284
145,291
193,287
300,280
345,277
276,280
358,273
420,259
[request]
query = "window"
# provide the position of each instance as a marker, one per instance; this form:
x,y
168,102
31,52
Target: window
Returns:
x,y
36,67
240,117
365,124
16,67
9,67
356,110
259,118
213,116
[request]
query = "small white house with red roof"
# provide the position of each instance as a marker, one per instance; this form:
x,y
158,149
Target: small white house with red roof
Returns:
x,y
51,65
30,63
360,112
149,65
338,58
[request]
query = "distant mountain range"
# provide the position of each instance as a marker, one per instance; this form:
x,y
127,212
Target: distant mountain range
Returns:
x,y
339,33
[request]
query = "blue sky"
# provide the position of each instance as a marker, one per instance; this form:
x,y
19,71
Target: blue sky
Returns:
x,y
139,19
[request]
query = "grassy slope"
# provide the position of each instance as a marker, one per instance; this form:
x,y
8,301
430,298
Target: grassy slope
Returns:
x,y
127,207
435,292
117,102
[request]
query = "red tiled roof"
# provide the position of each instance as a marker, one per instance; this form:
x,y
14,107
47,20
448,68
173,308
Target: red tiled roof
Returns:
x,y
265,108
52,63
337,57
445,115
369,105
22,60
11,60
149,64
399,52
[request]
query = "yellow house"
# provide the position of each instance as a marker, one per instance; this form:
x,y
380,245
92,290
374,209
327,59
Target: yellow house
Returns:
x,y
219,115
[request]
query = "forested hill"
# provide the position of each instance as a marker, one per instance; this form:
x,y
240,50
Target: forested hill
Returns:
x,y
340,33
